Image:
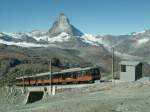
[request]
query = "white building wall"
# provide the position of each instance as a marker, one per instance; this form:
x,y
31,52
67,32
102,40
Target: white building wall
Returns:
x,y
129,75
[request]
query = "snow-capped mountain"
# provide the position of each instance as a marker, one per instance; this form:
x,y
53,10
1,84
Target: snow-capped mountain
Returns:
x,y
109,41
134,42
63,25
63,32
141,37
24,39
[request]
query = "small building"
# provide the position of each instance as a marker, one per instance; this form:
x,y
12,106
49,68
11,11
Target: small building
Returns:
x,y
130,70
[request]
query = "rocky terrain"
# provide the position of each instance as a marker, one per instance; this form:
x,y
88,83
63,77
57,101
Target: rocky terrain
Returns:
x,y
98,97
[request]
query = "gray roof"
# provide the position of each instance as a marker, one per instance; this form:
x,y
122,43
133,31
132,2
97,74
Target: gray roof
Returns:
x,y
131,63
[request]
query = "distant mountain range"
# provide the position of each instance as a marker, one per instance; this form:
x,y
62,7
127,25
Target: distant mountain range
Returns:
x,y
63,33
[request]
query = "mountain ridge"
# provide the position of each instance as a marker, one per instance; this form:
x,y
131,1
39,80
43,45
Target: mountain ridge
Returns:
x,y
63,33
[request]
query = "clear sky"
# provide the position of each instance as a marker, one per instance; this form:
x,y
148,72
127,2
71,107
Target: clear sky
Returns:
x,y
90,16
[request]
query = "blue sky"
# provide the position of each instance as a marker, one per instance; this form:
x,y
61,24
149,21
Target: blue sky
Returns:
x,y
90,16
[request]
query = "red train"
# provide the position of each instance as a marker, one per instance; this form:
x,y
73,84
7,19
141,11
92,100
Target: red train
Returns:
x,y
74,75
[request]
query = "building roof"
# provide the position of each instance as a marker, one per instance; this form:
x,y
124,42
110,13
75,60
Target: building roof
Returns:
x,y
131,63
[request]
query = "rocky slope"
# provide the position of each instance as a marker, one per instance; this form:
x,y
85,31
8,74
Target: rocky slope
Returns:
x,y
98,97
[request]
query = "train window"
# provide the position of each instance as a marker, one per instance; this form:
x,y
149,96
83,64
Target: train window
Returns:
x,y
54,76
61,75
39,78
82,73
25,79
78,73
74,75
31,78
58,75
64,76
97,71
19,80
42,77
35,79
88,72
47,77
69,75
92,72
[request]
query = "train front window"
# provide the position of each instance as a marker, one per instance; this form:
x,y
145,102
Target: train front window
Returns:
x,y
96,71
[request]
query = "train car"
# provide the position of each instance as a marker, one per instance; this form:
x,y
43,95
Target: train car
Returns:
x,y
74,75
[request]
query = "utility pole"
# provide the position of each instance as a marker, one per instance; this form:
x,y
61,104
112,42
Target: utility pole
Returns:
x,y
51,85
23,84
113,63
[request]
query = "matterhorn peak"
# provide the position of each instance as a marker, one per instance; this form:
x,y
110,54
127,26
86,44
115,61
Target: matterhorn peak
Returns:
x,y
63,20
61,25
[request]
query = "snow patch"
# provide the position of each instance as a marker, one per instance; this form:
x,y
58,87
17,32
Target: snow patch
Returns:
x,y
88,38
13,35
1,35
45,38
36,32
137,33
23,44
38,35
60,38
142,41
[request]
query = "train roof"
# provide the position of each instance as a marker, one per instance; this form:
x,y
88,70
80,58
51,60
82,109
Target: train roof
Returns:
x,y
61,72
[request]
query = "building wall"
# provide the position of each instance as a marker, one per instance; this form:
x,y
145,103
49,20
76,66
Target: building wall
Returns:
x,y
138,71
129,75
